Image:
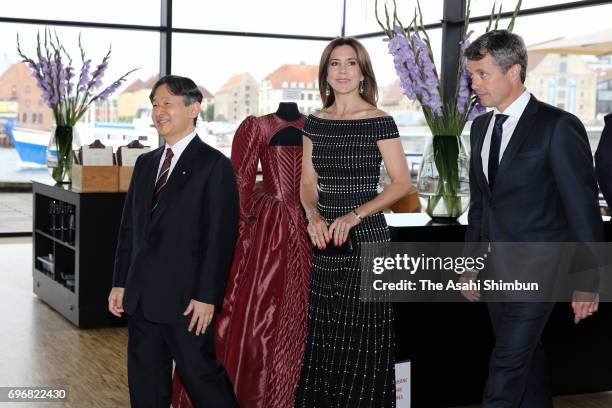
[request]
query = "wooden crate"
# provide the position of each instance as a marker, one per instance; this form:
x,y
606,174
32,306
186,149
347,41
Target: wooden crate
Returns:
x,y
125,176
95,179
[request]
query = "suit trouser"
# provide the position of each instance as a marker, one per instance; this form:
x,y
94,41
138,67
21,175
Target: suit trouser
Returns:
x,y
151,348
517,368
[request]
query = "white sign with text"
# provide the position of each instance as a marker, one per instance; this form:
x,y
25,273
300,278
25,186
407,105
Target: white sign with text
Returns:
x,y
95,156
402,384
129,156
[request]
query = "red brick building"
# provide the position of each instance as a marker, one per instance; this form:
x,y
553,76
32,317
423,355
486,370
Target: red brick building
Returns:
x,y
18,84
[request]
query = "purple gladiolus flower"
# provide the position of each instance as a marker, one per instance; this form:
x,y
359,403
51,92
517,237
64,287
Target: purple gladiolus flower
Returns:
x,y
98,74
402,59
405,64
69,72
84,77
36,73
466,41
53,78
465,90
416,70
110,90
68,97
430,82
62,80
463,97
44,68
477,110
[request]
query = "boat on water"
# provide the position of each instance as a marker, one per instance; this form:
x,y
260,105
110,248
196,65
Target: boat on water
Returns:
x,y
31,144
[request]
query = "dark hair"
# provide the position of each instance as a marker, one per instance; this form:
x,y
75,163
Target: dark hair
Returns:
x,y
180,86
505,48
370,91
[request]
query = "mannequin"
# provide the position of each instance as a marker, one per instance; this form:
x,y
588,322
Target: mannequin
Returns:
x,y
289,136
260,331
288,111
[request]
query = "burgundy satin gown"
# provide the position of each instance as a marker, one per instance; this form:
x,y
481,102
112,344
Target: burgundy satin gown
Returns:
x,y
260,331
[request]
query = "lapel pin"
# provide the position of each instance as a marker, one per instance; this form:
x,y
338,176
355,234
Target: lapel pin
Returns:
x,y
184,172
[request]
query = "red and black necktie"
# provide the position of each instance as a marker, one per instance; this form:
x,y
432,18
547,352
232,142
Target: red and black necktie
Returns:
x,y
162,179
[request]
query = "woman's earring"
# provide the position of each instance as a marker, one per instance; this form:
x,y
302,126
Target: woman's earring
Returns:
x,y
327,89
362,86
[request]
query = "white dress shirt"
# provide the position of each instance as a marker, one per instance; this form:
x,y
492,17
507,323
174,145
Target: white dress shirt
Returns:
x,y
177,149
514,112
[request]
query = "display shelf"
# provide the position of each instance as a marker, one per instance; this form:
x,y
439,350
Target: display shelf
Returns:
x,y
75,277
56,240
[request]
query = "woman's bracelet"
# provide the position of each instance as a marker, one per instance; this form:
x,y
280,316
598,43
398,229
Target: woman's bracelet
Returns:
x,y
357,215
310,213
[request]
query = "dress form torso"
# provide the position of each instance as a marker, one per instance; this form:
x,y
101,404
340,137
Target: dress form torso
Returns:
x,y
260,331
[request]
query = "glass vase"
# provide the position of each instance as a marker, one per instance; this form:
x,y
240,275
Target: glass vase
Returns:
x,y
64,140
443,182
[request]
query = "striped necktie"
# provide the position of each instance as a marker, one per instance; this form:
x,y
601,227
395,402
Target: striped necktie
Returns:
x,y
162,179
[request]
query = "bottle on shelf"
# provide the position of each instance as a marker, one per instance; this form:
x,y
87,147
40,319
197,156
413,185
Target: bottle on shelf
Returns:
x,y
71,227
66,222
53,225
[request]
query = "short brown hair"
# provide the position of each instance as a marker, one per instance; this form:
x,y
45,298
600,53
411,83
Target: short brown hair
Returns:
x,y
370,92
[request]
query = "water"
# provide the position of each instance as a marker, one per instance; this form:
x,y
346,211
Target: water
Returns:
x,y
13,170
441,207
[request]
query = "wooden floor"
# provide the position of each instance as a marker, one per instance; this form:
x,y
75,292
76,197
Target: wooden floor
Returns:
x,y
38,347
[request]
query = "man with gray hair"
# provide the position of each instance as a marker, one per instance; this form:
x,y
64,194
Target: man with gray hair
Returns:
x,y
531,180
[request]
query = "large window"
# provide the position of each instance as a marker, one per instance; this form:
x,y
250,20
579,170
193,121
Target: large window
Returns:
x,y
360,14
312,17
483,7
242,75
142,12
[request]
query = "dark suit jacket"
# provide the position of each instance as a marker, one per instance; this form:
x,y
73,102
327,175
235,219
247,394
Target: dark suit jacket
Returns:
x,y
603,161
545,189
185,249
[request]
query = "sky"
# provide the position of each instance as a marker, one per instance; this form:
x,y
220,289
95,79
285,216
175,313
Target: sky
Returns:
x,y
212,60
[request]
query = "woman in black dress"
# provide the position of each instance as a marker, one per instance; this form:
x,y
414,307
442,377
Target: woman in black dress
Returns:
x,y
349,356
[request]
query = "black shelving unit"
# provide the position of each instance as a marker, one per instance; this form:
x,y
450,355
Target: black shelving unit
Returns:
x,y
74,242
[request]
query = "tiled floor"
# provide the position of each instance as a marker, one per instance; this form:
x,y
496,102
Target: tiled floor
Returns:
x,y
15,213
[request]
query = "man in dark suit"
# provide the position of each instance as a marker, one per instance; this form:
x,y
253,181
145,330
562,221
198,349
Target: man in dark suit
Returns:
x,y
603,161
175,248
531,180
